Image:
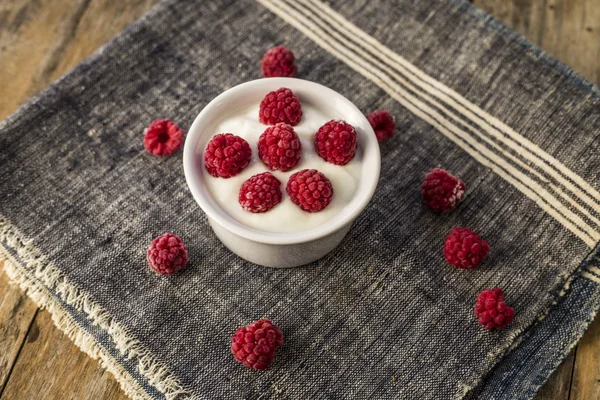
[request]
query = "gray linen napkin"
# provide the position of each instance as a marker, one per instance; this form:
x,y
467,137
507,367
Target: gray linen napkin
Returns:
x,y
383,316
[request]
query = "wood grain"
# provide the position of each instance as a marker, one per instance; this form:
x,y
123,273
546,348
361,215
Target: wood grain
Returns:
x,y
558,386
51,367
570,31
586,374
567,29
32,38
17,312
42,39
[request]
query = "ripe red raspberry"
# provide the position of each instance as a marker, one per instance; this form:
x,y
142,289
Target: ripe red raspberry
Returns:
x,y
278,61
167,254
491,310
260,193
226,155
281,105
383,124
441,191
279,147
335,142
162,137
255,345
310,190
464,248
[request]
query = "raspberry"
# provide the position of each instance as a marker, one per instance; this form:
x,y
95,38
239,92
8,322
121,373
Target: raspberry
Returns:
x,y
464,248
310,190
441,191
278,61
226,155
162,137
279,147
383,124
491,310
255,345
167,254
281,105
335,142
260,193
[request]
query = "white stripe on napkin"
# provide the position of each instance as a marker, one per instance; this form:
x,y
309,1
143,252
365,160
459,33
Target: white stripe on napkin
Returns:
x,y
356,58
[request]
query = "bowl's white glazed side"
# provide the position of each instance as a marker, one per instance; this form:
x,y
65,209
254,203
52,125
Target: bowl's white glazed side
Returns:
x,y
279,249
279,255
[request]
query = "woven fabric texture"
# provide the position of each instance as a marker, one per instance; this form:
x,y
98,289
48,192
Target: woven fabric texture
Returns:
x,y
382,316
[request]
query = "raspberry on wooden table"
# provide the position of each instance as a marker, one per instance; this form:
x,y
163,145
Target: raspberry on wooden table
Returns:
x,y
255,345
464,248
260,193
280,105
278,61
162,137
279,147
226,155
310,190
491,310
442,191
335,142
167,254
383,124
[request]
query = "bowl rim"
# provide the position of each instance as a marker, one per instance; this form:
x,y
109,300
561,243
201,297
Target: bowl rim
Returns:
x,y
364,191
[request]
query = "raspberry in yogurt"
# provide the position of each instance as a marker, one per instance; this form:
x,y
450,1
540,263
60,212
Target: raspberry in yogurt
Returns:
x,y
334,187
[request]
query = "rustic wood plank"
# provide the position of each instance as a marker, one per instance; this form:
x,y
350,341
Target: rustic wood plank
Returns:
x,y
39,41
50,366
102,20
586,374
33,34
567,29
42,39
559,385
570,31
17,312
27,37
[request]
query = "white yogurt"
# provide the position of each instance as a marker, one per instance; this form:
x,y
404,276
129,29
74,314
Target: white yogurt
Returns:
x,y
285,216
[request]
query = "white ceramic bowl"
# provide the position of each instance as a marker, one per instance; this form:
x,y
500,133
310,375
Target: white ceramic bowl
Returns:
x,y
268,248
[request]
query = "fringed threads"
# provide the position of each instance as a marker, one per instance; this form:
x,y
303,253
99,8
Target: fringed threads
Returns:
x,y
36,276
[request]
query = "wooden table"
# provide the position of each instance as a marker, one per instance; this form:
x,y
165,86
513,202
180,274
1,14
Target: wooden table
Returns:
x,y
40,40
